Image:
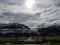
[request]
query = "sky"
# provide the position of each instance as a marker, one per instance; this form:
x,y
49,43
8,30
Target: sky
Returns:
x,y
30,12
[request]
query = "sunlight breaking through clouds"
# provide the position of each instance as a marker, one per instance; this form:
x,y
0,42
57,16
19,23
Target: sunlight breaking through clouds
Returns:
x,y
29,3
30,12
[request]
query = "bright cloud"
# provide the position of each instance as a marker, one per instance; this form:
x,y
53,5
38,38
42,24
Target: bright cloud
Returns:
x,y
43,11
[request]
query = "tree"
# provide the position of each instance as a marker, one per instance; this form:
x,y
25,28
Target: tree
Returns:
x,y
0,32
16,31
42,30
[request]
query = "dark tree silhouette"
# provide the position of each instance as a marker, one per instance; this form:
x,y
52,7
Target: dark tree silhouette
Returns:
x,y
42,30
52,30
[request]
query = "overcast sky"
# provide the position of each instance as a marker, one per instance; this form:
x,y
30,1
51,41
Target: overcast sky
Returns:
x,y
30,12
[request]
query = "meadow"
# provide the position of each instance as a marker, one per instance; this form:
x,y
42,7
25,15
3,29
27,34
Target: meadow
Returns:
x,y
49,38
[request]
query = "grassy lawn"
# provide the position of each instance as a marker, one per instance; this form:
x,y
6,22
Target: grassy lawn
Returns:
x,y
11,39
2,44
35,38
53,38
47,38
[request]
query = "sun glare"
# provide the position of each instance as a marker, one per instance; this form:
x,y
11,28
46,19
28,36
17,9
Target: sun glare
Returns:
x,y
29,3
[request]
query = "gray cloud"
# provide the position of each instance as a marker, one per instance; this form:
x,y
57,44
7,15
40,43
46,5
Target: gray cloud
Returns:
x,y
44,11
13,2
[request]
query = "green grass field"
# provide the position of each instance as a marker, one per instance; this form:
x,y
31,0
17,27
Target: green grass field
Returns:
x,y
35,38
46,38
11,39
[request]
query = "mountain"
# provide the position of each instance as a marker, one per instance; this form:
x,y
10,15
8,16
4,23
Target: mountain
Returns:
x,y
14,28
55,29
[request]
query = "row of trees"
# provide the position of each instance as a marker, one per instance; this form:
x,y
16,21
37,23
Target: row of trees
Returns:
x,y
52,30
